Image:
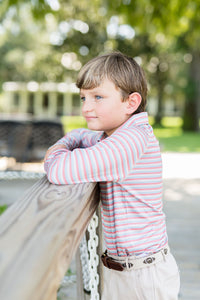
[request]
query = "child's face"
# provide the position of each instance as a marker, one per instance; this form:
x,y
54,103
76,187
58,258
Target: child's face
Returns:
x,y
103,108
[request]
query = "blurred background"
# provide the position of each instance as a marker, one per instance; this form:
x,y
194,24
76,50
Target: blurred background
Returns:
x,y
44,43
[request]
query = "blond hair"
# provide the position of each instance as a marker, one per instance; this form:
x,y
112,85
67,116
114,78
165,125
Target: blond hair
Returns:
x,y
121,69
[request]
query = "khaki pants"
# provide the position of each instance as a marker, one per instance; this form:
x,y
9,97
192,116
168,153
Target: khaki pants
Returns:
x,y
157,282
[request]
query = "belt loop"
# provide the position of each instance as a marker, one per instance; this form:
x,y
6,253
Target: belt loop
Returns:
x,y
127,264
164,256
164,252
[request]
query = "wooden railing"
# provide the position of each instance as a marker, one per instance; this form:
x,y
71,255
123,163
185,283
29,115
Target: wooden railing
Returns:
x,y
39,235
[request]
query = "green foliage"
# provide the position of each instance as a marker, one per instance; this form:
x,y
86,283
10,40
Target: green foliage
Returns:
x,y
38,7
23,48
2,208
45,40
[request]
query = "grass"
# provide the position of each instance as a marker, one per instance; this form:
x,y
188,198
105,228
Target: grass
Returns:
x,y
73,122
170,134
173,139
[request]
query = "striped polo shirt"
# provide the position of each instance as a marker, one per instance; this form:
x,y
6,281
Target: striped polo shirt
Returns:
x,y
128,167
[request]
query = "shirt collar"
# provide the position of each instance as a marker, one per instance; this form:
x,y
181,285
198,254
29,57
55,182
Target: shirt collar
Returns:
x,y
135,120
102,135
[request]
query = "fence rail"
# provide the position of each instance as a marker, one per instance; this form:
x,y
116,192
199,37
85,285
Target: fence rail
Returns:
x,y
39,235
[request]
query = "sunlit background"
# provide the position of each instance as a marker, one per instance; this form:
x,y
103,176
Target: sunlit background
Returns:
x,y
43,45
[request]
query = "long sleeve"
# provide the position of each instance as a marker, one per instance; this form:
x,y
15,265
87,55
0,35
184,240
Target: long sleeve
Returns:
x,y
128,167
108,160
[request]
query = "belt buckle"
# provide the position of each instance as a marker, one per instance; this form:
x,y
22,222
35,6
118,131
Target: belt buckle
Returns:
x,y
110,263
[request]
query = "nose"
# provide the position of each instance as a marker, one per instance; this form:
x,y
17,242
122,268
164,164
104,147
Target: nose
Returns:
x,y
87,106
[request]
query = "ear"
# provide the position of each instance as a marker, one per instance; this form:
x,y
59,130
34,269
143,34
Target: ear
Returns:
x,y
133,102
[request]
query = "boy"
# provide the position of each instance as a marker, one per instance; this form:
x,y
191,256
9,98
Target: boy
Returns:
x,y
120,151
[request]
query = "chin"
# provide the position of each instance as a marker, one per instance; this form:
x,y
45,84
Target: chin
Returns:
x,y
94,128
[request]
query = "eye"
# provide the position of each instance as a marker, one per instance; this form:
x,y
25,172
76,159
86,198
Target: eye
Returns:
x,y
82,99
97,97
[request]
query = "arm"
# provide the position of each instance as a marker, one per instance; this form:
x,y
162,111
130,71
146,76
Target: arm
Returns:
x,y
52,149
109,160
78,138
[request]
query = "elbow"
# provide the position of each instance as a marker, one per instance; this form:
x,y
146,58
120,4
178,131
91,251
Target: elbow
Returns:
x,y
54,179
50,174
50,179
56,173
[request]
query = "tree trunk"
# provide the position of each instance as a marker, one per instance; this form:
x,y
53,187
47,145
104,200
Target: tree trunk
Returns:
x,y
160,88
192,102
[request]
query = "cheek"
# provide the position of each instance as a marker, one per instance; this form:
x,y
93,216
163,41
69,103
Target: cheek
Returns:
x,y
102,111
82,108
105,110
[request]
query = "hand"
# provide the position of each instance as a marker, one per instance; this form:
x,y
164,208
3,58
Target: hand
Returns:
x,y
53,148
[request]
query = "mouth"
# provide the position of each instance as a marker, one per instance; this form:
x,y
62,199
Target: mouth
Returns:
x,y
90,117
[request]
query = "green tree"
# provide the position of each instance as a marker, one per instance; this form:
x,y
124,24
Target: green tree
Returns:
x,y
26,53
164,36
177,23
49,43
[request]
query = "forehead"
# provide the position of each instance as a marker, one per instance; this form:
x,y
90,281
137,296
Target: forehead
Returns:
x,y
105,86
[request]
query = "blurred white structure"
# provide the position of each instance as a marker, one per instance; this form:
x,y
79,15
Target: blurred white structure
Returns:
x,y
50,100
46,99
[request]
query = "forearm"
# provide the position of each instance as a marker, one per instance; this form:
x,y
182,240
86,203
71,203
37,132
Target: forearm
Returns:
x,y
110,160
69,142
51,154
52,149
78,138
